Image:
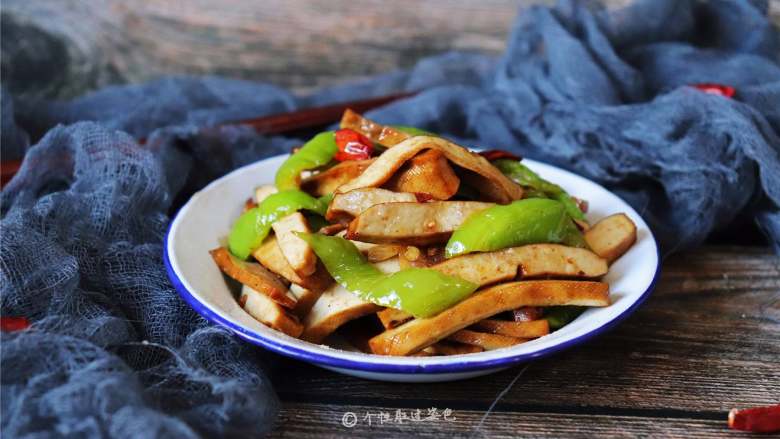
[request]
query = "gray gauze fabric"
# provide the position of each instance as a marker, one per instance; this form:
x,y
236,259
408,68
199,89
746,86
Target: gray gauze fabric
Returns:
x,y
113,351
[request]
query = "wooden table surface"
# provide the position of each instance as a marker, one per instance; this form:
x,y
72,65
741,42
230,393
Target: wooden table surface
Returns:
x,y
707,340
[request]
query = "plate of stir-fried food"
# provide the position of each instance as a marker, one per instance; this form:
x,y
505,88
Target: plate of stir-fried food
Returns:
x,y
393,253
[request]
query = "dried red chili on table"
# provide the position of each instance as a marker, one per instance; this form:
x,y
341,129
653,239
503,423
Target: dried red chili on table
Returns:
x,y
715,89
756,419
352,145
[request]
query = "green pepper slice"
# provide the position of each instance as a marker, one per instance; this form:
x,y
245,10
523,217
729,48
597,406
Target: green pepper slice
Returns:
x,y
318,151
418,291
252,226
528,221
560,316
413,131
538,186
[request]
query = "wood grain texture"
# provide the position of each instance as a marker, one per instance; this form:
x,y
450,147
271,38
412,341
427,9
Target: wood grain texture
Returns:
x,y
63,48
294,43
325,421
706,341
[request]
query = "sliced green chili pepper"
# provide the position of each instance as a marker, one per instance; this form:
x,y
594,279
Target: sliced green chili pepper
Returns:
x,y
539,187
419,291
252,226
528,221
413,131
560,316
318,151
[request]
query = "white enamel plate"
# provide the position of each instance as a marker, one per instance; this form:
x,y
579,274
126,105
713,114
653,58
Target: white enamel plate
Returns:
x,y
208,215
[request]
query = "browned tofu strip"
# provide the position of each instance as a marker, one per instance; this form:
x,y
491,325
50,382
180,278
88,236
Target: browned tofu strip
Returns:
x,y
426,173
306,300
419,333
487,342
270,255
381,134
527,261
527,314
263,192
412,223
532,329
391,317
351,204
611,237
298,253
334,307
326,182
253,275
268,312
337,306
445,347
494,185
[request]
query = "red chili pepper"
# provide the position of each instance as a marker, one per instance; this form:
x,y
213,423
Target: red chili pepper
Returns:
x,y
11,324
352,145
495,154
715,89
756,419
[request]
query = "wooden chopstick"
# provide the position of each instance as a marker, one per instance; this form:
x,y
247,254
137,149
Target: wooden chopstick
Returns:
x,y
274,124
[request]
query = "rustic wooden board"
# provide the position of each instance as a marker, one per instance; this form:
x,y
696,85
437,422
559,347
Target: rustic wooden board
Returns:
x,y
62,48
325,421
706,341
73,46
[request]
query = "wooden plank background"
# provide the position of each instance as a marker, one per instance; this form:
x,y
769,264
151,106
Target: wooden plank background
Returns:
x,y
63,48
293,43
705,341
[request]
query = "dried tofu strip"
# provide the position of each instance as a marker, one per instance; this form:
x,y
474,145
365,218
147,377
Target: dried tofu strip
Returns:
x,y
254,276
381,134
268,312
412,223
326,182
426,173
527,314
263,192
419,333
489,181
270,255
445,347
333,229
334,307
534,260
527,261
306,299
611,237
391,317
485,341
351,204
532,329
337,306
298,253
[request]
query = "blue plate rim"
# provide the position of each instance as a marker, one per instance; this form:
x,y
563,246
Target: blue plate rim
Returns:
x,y
342,363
